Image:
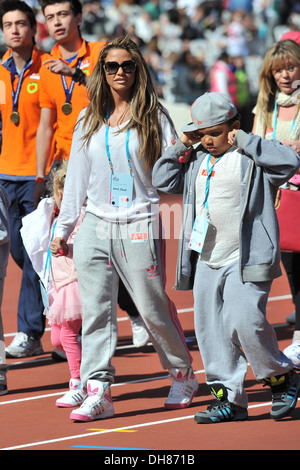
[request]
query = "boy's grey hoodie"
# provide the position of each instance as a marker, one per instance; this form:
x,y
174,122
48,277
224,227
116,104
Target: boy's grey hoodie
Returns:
x,y
265,165
4,231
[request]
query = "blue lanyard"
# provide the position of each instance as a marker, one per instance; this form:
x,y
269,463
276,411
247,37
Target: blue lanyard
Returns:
x,y
69,91
13,71
275,121
107,146
209,175
48,260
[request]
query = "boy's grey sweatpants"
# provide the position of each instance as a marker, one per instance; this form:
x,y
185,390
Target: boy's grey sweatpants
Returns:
x,y
231,328
103,253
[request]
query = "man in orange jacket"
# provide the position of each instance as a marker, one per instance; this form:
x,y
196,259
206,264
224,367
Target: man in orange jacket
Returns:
x,y
62,96
63,78
20,112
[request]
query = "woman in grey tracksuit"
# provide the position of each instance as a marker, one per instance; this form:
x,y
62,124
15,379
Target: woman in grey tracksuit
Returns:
x,y
230,299
116,141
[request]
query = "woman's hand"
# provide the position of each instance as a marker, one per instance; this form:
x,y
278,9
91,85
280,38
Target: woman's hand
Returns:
x,y
295,144
58,247
184,158
189,139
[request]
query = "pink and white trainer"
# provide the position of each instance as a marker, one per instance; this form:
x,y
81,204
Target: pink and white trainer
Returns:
x,y
97,405
73,397
183,389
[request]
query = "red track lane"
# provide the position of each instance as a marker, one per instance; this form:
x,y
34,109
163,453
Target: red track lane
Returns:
x,y
31,421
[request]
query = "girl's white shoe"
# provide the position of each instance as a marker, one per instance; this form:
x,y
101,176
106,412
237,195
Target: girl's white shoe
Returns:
x,y
97,405
74,397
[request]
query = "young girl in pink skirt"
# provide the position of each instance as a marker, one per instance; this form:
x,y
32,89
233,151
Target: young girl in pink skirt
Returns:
x,y
64,308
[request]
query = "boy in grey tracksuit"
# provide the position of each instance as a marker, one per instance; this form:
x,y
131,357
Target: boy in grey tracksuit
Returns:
x,y
229,252
4,254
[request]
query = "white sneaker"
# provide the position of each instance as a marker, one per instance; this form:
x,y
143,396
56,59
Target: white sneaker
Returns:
x,y
97,405
140,335
24,346
74,397
293,353
183,389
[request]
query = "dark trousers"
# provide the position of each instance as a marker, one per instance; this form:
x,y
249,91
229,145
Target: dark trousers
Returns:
x,y
291,263
125,301
30,308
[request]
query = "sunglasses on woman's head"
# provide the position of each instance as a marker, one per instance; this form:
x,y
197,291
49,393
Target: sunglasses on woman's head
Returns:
x,y
128,66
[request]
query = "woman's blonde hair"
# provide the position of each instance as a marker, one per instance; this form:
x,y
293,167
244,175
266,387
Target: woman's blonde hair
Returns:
x,y
144,105
279,55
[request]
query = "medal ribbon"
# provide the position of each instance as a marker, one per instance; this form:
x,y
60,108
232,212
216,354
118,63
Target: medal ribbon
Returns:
x,y
13,71
69,91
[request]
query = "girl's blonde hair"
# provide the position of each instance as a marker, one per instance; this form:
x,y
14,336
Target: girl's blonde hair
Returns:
x,y
58,178
279,55
144,105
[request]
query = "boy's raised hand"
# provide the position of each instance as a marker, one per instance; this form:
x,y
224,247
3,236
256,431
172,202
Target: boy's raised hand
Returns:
x,y
231,136
188,139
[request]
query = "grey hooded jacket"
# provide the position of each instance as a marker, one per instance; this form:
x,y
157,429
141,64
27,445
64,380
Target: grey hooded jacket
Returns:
x,y
265,165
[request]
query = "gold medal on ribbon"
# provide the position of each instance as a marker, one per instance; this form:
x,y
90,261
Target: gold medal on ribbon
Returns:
x,y
67,108
15,117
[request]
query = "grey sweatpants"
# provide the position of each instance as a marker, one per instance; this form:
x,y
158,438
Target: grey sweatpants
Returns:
x,y
231,328
103,253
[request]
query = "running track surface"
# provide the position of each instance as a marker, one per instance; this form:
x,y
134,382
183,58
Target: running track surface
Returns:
x,y
31,421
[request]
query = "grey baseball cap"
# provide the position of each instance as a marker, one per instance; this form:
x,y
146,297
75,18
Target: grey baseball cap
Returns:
x,y
210,110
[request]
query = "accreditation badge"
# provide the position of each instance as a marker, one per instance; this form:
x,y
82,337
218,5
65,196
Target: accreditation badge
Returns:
x,y
199,232
121,189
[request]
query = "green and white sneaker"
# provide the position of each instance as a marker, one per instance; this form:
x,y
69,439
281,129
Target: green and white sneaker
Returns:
x,y
285,390
221,409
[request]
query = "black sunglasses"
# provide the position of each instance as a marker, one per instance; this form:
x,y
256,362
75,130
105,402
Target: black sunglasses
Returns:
x,y
128,66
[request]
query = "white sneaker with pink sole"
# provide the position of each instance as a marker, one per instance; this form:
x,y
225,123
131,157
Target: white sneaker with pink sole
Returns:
x,y
97,405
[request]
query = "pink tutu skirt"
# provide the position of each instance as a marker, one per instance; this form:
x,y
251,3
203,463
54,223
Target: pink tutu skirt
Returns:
x,y
65,304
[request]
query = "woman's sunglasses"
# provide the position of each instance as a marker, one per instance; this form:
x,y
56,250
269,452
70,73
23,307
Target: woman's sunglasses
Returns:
x,y
128,66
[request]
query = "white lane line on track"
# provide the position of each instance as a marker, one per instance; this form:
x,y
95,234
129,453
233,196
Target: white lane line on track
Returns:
x,y
95,433
149,379
34,361
182,310
120,319
284,297
107,431
279,297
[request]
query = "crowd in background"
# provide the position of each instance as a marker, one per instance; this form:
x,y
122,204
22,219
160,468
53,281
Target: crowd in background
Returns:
x,y
181,40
